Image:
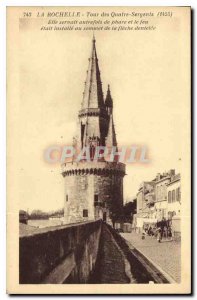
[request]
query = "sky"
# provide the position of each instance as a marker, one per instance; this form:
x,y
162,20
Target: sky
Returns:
x,y
145,73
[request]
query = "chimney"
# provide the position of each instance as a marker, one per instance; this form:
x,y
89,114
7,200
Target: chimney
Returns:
x,y
158,177
171,172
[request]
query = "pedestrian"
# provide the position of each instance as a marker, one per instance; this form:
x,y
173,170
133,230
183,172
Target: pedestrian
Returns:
x,y
170,233
143,234
149,230
159,235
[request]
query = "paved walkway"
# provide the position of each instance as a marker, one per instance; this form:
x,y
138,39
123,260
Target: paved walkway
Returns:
x,y
167,254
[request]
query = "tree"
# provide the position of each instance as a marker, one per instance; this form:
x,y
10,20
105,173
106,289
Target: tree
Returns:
x,y
129,209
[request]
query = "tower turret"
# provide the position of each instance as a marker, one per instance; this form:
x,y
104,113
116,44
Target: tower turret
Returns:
x,y
93,188
111,135
110,139
93,94
109,102
92,116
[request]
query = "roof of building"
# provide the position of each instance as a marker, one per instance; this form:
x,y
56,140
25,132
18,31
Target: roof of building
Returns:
x,y
174,179
162,179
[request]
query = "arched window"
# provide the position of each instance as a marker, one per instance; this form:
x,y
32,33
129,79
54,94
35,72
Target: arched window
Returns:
x,y
169,197
96,200
82,132
177,194
92,151
158,192
161,191
173,195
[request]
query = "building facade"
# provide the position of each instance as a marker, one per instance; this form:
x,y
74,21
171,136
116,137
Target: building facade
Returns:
x,y
159,199
144,196
145,209
174,197
161,194
93,190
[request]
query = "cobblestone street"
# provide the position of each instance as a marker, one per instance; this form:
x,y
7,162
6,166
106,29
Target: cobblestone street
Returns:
x,y
166,255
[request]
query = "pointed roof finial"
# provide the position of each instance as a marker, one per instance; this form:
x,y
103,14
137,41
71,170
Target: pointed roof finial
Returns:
x,y
108,100
93,94
93,38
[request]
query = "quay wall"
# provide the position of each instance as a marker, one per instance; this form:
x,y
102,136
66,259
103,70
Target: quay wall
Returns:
x,y
59,254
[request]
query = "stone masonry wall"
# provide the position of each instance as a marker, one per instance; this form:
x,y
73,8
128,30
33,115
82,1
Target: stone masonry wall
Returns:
x,y
80,193
55,254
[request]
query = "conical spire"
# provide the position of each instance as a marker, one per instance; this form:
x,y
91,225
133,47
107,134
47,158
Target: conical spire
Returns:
x,y
111,135
93,95
108,100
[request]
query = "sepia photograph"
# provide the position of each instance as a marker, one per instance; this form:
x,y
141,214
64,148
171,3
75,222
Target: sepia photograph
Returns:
x,y
99,182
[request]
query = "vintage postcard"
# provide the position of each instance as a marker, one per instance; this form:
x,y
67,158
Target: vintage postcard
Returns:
x,y
98,150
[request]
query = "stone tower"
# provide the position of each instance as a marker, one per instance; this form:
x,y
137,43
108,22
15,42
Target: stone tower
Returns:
x,y
94,189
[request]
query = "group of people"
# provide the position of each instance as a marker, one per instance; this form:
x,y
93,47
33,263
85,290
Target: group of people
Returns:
x,y
160,230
